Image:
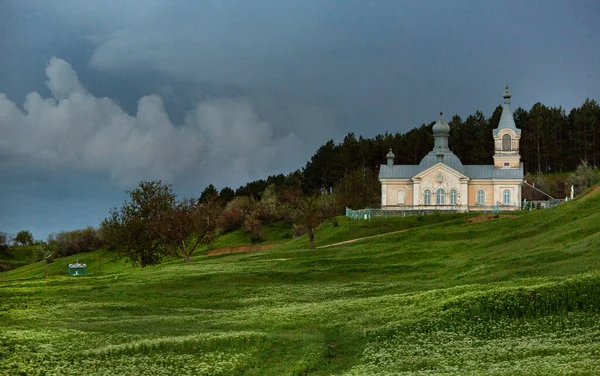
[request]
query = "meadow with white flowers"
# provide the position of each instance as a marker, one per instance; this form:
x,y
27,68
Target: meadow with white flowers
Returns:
x,y
510,296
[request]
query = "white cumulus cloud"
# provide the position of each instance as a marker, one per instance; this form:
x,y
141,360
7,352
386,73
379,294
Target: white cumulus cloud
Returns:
x,y
222,139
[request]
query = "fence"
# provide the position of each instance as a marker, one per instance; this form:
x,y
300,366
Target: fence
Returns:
x,y
366,214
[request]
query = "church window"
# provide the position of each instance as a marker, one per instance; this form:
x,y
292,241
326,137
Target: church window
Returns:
x,y
427,197
506,142
480,197
506,197
453,197
401,197
440,197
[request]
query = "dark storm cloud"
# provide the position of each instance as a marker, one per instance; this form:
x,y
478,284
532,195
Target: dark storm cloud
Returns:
x,y
226,91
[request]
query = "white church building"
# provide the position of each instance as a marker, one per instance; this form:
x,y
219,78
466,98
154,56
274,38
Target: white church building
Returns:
x,y
442,182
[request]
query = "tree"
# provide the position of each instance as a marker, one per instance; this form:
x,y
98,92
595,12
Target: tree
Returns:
x,y
24,237
5,240
227,194
77,241
310,210
210,193
358,189
191,222
136,230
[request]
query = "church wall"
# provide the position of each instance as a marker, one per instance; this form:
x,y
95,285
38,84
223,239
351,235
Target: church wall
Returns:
x,y
513,188
391,190
449,181
513,137
487,186
494,192
514,162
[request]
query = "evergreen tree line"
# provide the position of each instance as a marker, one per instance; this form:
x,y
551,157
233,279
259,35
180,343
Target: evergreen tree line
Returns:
x,y
551,141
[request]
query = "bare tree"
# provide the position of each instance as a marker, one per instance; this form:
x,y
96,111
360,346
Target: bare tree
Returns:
x,y
192,222
5,240
310,210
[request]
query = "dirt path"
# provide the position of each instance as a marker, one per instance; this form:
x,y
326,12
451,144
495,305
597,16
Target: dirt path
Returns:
x,y
366,237
239,249
479,218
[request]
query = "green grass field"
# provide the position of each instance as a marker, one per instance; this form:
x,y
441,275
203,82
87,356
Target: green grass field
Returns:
x,y
510,296
16,257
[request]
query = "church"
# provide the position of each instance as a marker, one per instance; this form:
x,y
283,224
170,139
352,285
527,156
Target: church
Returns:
x,y
442,182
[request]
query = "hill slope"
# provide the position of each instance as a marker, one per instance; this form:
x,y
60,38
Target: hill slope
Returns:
x,y
518,295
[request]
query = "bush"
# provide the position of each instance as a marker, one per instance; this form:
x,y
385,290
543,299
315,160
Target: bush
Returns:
x,y
298,230
584,177
235,213
67,243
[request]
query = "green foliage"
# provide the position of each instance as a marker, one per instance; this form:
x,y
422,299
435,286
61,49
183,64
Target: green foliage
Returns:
x,y
225,195
67,243
358,190
584,177
24,237
136,229
210,193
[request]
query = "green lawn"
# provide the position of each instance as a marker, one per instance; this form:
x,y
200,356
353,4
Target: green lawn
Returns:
x,y
510,296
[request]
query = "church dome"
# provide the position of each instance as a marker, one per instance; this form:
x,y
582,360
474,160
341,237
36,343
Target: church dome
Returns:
x,y
446,156
441,128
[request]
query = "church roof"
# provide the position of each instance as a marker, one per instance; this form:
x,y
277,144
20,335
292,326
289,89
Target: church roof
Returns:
x,y
449,159
489,172
507,120
397,171
472,171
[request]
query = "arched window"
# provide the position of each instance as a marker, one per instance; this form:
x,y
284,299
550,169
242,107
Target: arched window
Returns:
x,y
427,197
453,197
440,198
506,142
401,197
506,197
480,197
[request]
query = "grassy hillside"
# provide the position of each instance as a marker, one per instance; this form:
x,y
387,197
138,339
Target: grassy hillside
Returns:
x,y
508,296
15,257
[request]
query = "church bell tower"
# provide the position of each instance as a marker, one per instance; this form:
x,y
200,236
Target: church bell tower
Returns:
x,y
506,138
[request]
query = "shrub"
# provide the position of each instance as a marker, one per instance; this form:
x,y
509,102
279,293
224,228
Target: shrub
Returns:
x,y
298,230
70,242
584,177
236,212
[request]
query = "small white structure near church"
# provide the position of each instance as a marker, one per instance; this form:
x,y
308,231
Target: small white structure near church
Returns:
x,y
442,182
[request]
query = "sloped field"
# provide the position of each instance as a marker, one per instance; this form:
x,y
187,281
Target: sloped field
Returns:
x,y
508,296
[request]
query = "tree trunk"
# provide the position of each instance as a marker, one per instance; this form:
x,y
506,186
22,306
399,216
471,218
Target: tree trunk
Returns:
x,y
187,258
311,237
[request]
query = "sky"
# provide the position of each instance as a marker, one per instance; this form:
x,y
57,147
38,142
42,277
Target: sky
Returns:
x,y
98,95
